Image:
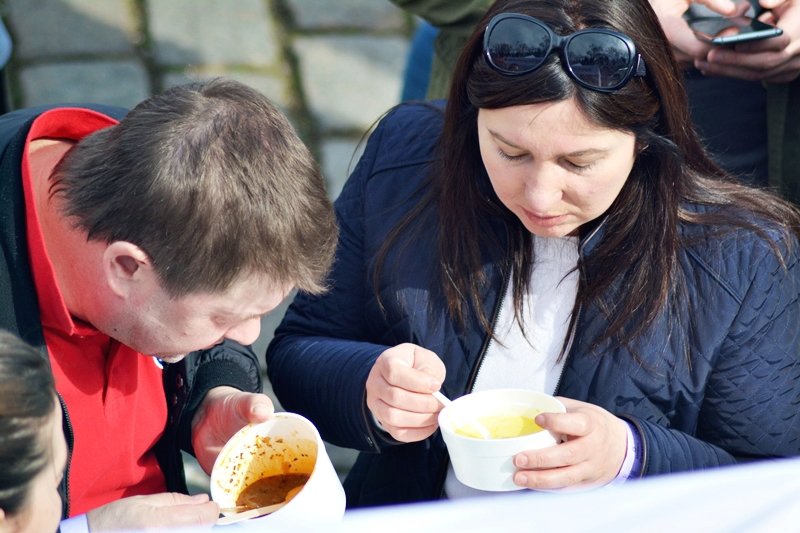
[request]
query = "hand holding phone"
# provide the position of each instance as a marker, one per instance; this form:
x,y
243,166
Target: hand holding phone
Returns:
x,y
732,30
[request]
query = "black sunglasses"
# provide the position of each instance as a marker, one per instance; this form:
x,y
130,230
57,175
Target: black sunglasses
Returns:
x,y
597,58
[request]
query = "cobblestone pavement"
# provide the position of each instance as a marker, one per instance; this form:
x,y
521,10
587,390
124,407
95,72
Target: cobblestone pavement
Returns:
x,y
334,66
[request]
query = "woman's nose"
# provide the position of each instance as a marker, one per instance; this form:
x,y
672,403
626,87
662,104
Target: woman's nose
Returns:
x,y
543,191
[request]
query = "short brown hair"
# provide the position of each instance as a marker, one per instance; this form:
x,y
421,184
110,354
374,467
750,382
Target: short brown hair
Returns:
x,y
212,182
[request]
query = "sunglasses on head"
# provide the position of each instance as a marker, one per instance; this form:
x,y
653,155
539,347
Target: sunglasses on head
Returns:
x,y
596,58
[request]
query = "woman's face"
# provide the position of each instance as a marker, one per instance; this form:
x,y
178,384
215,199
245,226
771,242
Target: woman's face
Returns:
x,y
552,167
42,510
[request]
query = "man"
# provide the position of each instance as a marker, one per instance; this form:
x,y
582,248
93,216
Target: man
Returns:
x,y
131,240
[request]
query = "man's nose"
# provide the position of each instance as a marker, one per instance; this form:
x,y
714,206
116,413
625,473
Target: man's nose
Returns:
x,y
245,332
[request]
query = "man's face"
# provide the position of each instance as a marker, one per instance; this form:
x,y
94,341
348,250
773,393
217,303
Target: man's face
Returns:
x,y
155,324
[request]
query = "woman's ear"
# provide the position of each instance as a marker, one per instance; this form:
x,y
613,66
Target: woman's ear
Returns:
x,y
125,265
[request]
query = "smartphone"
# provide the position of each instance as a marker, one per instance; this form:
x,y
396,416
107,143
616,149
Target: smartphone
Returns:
x,y
732,30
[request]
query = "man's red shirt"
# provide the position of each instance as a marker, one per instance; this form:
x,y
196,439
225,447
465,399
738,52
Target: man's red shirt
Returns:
x,y
114,395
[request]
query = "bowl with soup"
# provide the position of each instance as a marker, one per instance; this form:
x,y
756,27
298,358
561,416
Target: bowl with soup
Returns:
x,y
483,458
280,460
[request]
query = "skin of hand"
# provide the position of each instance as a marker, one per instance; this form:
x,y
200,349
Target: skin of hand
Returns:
x,y
399,388
685,45
591,455
774,60
154,511
224,411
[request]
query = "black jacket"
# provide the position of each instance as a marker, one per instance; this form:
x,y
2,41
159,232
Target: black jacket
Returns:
x,y
738,398
185,383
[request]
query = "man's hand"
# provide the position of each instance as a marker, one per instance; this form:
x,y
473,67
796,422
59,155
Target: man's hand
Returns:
x,y
399,388
685,45
224,411
775,60
154,512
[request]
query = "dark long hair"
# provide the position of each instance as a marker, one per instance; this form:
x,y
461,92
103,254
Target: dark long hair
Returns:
x,y
641,240
27,396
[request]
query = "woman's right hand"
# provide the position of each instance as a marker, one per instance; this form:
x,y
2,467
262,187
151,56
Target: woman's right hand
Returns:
x,y
399,388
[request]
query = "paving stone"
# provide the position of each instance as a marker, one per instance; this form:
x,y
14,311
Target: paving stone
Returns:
x,y
365,14
272,87
192,32
339,159
197,481
71,27
122,83
342,459
350,81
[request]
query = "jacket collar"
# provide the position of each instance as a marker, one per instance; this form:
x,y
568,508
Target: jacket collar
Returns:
x,y
589,241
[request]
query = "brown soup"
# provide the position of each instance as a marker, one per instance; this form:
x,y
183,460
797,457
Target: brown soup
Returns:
x,y
270,490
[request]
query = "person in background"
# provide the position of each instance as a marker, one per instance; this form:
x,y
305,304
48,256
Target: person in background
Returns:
x,y
558,226
417,73
745,99
33,452
453,21
131,239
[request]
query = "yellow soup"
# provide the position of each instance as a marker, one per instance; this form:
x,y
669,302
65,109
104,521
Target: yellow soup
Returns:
x,y
502,426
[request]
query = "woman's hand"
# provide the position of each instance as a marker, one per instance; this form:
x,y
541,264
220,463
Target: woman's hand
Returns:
x,y
592,454
399,388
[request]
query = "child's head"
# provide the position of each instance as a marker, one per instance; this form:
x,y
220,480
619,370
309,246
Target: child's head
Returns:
x,y
33,451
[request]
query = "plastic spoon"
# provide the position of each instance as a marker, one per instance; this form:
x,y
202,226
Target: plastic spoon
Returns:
x,y
252,513
472,423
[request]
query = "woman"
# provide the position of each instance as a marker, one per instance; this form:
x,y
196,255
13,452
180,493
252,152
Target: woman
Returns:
x,y
33,452
558,227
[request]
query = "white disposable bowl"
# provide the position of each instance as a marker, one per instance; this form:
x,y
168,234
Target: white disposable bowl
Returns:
x,y
286,443
488,464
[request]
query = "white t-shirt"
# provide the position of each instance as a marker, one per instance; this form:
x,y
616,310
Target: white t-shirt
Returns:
x,y
530,360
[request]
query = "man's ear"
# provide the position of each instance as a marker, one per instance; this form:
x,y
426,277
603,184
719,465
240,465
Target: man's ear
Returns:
x,y
125,266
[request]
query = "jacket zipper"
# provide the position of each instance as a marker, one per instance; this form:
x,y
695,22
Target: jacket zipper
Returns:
x,y
581,247
476,370
473,375
495,314
69,435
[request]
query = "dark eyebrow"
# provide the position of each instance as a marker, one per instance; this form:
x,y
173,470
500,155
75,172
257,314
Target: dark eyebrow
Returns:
x,y
579,153
504,140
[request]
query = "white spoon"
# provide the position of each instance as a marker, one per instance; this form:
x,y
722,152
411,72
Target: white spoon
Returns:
x,y
251,513
471,423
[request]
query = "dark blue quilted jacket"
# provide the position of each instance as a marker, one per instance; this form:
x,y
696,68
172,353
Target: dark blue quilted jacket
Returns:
x,y
738,399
